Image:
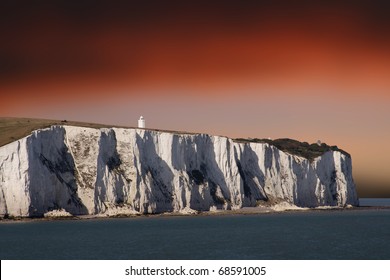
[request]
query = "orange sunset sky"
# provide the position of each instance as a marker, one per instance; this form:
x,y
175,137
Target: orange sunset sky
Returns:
x,y
305,70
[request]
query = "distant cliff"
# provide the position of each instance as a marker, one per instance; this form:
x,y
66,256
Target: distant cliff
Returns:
x,y
114,170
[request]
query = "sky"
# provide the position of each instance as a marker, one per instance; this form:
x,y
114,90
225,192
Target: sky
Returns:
x,y
307,70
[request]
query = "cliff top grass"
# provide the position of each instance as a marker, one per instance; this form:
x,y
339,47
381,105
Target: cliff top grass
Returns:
x,y
12,129
294,147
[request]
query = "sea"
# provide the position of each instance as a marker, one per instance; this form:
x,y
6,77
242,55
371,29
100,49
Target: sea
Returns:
x,y
362,233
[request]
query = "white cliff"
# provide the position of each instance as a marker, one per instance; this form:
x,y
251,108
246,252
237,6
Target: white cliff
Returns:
x,y
125,171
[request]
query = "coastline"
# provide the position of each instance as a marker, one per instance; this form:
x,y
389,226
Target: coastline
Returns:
x,y
237,212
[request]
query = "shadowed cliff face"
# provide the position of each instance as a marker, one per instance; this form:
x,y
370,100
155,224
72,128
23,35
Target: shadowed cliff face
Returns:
x,y
156,173
52,183
128,171
110,185
252,176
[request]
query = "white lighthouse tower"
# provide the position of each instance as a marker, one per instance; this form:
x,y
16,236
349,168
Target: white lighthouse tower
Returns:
x,y
141,122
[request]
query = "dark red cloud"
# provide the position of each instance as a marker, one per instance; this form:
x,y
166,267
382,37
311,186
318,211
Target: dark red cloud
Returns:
x,y
75,44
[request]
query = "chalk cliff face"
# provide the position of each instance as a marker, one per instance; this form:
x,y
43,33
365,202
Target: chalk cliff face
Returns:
x,y
97,171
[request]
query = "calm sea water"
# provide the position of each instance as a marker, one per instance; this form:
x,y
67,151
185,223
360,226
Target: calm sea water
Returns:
x,y
352,234
374,201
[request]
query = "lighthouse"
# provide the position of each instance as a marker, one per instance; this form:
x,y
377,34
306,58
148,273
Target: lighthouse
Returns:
x,y
141,122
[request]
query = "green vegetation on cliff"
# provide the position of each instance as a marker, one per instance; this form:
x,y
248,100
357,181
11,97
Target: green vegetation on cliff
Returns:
x,y
294,147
